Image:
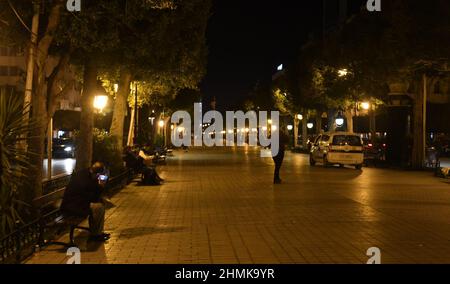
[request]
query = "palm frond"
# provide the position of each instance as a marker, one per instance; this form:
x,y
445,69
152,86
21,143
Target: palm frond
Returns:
x,y
14,159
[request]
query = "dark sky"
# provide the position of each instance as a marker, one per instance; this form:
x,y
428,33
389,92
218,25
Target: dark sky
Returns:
x,y
248,39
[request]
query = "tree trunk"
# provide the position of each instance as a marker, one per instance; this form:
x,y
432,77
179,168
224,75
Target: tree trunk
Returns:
x,y
85,138
417,158
372,124
349,118
296,124
36,140
331,120
319,122
120,107
305,132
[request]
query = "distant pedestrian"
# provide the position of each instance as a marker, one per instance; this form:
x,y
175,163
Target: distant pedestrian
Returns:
x,y
278,159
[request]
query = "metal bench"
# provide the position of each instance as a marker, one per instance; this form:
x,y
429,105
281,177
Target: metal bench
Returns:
x,y
50,217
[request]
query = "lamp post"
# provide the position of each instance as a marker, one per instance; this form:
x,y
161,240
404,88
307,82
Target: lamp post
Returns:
x,y
100,102
297,120
339,120
161,124
342,72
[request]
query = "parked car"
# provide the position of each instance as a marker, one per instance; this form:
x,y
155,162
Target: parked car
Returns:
x,y
63,148
337,148
375,150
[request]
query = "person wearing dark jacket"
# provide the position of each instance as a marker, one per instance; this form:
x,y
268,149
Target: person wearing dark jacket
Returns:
x,y
278,159
82,198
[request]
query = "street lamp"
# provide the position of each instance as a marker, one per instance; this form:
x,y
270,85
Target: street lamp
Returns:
x,y
309,125
339,122
100,102
365,106
290,127
342,72
299,116
161,124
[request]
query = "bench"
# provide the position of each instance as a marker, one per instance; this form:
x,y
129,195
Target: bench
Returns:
x,y
51,217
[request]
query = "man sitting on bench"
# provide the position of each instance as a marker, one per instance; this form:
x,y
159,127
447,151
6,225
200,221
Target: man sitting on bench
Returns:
x,y
82,198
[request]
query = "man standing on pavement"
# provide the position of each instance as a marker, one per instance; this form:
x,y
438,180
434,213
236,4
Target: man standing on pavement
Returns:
x,y
278,159
82,198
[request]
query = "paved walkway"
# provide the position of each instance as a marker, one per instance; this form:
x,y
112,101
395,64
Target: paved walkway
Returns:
x,y
219,206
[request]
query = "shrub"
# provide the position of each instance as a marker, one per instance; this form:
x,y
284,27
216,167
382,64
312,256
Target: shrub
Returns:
x,y
13,159
105,150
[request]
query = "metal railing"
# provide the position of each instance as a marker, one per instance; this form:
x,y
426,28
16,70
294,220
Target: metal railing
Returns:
x,y
55,184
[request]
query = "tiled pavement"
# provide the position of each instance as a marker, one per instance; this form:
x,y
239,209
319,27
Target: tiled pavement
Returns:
x,y
219,206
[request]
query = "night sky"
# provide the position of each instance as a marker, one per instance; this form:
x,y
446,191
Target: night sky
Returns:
x,y
248,39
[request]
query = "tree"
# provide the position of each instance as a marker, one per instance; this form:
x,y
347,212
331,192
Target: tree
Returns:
x,y
49,70
379,49
167,53
403,37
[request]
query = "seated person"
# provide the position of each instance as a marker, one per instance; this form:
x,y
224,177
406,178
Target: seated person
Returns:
x,y
132,161
148,159
82,198
150,176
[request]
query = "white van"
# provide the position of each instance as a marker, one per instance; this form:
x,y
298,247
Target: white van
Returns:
x,y
337,148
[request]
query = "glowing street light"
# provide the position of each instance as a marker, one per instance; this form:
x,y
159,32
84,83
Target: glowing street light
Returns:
x,y
342,72
100,102
339,121
161,123
290,127
299,116
309,125
365,106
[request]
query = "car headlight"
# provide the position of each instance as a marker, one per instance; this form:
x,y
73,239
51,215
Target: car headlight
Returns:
x,y
68,149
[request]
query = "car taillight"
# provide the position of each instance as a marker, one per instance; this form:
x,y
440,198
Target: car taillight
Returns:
x,y
370,145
